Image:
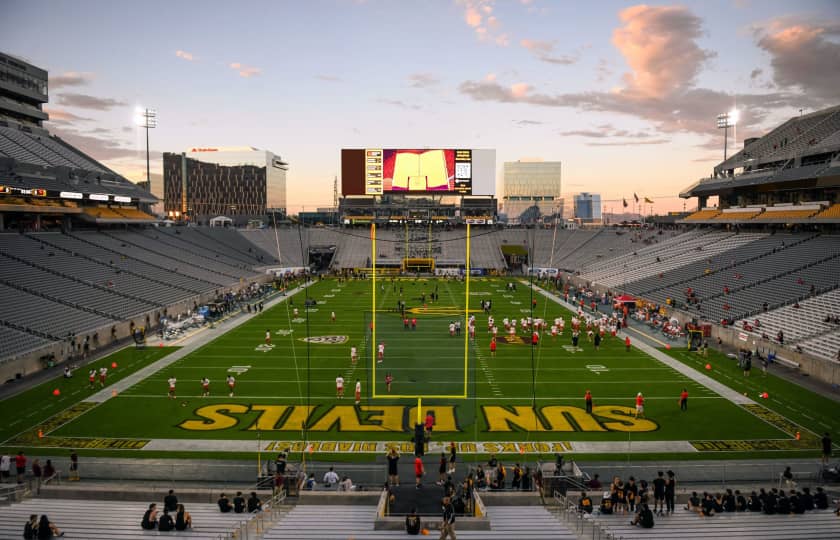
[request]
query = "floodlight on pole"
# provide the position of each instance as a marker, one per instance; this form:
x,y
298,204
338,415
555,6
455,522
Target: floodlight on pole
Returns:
x,y
725,121
148,120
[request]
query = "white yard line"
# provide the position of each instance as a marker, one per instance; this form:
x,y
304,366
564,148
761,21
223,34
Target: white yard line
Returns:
x,y
195,342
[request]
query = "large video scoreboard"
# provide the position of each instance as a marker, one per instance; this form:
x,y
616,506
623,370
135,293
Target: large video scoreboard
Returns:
x,y
456,171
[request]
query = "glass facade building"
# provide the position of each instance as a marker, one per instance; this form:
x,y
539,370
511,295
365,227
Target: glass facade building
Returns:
x,y
588,207
530,184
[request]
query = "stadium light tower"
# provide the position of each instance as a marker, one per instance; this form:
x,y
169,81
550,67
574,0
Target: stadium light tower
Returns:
x,y
725,121
148,120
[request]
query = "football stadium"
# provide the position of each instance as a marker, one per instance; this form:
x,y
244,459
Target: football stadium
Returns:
x,y
188,350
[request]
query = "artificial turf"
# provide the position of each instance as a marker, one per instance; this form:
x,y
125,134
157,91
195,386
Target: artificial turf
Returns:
x,y
423,362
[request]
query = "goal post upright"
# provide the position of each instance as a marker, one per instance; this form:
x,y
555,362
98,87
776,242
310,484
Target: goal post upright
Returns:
x,y
373,345
467,313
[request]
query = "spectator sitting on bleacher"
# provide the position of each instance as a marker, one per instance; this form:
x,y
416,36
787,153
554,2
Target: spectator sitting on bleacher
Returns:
x,y
310,482
346,484
149,521
729,501
606,504
807,499
254,503
412,522
644,517
754,503
796,506
769,503
585,503
46,529
595,483
330,477
183,519
238,503
693,504
707,507
166,523
783,504
170,502
224,504
820,499
740,502
30,527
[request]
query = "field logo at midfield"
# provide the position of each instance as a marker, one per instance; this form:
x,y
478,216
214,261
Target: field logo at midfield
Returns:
x,y
239,370
283,332
325,340
597,369
314,309
572,349
400,418
479,293
329,296
507,338
264,347
298,320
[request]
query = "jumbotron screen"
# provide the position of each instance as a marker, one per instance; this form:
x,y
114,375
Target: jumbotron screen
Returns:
x,y
377,171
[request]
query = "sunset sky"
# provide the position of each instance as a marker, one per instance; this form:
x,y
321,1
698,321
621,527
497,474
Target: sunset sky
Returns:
x,y
625,95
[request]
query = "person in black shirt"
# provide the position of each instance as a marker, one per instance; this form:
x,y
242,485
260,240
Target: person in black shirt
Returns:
x,y
239,503
170,502
644,517
769,505
754,503
796,506
254,503
31,527
820,499
693,504
585,503
412,522
149,521
165,522
447,526
632,493
224,504
729,501
393,472
783,505
740,502
183,519
526,479
659,493
707,507
807,499
670,492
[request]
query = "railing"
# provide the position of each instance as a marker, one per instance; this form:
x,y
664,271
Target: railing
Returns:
x,y
15,493
582,524
256,527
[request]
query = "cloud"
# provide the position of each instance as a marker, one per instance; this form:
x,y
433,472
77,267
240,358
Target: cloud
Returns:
x,y
629,143
691,110
607,130
96,147
84,101
69,78
528,122
478,14
544,50
328,78
59,116
659,46
184,55
245,71
422,80
658,43
400,104
803,56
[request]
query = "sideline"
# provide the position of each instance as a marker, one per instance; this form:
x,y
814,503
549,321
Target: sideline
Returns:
x,y
188,344
713,385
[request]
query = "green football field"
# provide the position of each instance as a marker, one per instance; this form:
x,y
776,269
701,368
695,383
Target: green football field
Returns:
x,y
528,396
